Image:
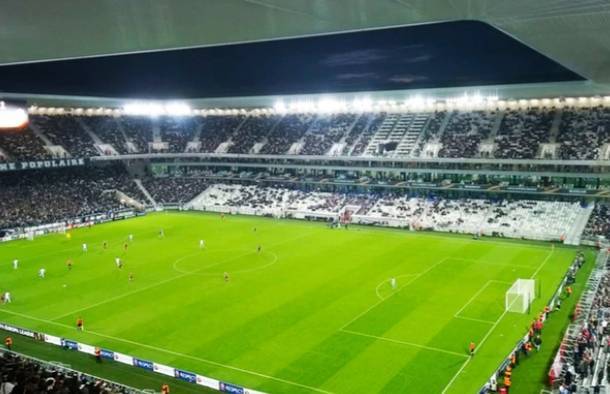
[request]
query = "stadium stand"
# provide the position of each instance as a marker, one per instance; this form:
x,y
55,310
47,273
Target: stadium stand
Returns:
x,y
26,375
582,132
21,145
325,132
108,130
599,223
67,132
354,134
252,132
530,219
522,132
138,132
582,363
174,190
216,130
369,130
47,196
578,133
464,133
178,132
288,132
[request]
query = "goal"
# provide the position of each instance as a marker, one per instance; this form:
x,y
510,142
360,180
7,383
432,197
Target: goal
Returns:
x,y
520,295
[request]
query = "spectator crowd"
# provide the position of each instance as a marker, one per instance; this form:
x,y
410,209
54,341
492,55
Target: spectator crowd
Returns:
x,y
46,196
577,134
21,375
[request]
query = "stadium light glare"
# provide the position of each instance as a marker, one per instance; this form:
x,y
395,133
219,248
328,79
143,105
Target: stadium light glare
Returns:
x,y
328,105
177,109
12,117
157,109
280,107
362,104
415,102
143,109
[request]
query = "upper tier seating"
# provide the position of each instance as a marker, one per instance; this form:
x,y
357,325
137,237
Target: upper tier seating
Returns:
x,y
66,131
288,131
22,145
254,130
139,132
527,133
108,130
326,131
583,132
178,132
521,133
216,130
464,133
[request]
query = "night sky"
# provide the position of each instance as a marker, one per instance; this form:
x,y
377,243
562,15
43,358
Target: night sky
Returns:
x,y
451,54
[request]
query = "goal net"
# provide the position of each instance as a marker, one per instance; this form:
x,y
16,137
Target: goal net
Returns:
x,y
520,295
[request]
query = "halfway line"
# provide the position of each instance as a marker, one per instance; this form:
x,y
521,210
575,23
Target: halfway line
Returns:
x,y
183,275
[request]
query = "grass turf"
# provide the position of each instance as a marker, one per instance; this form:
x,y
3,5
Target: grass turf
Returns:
x,y
313,312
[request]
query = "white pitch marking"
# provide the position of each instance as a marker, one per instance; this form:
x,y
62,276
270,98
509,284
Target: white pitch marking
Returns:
x,y
493,327
203,360
434,349
388,280
183,275
473,319
416,276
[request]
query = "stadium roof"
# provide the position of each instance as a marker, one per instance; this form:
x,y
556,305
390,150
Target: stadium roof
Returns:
x,y
576,34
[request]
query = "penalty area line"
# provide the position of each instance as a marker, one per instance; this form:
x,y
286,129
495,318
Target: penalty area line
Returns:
x,y
416,276
493,327
173,353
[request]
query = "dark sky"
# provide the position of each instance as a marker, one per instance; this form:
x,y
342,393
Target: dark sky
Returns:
x,y
450,54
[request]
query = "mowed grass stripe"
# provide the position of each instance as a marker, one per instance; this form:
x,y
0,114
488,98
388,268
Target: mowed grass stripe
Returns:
x,y
283,322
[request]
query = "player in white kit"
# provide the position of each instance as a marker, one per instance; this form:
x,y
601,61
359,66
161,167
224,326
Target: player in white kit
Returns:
x,y
201,244
393,282
6,298
15,264
42,272
118,262
130,237
85,248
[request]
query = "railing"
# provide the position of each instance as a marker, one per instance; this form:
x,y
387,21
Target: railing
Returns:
x,y
575,328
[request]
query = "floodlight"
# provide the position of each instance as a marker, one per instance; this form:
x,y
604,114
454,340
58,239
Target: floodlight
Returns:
x,y
177,109
12,117
280,107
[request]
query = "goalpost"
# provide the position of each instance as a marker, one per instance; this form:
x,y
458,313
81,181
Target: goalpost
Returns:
x,y
520,295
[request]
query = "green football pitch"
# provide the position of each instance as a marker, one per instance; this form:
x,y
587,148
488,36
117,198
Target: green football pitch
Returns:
x,y
313,312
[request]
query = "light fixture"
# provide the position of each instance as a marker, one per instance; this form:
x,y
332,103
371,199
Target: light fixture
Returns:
x,y
12,117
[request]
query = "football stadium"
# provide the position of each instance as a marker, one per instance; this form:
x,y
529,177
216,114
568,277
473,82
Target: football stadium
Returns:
x,y
285,196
